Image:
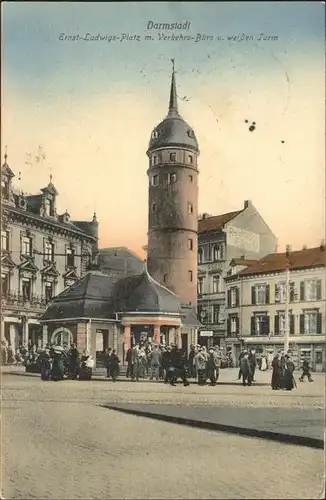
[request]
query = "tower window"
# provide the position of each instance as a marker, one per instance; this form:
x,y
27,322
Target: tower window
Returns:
x,y
191,159
190,208
191,178
173,156
154,160
154,207
172,178
165,278
155,180
190,244
190,275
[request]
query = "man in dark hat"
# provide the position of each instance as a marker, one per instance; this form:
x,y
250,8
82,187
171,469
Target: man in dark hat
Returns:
x,y
305,370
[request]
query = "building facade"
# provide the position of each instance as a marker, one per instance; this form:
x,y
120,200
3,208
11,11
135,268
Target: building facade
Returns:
x,y
42,253
258,297
173,210
221,238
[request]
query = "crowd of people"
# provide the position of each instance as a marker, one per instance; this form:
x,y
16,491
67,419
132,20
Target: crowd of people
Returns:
x,y
155,362
169,363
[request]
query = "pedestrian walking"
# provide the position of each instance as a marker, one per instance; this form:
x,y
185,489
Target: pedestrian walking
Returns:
x,y
276,374
200,361
155,359
211,366
245,368
73,362
191,362
129,363
45,364
114,365
241,355
289,381
263,366
306,370
107,361
253,363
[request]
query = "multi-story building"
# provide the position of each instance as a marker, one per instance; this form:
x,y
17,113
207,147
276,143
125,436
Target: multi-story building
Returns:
x,y
259,294
222,238
42,253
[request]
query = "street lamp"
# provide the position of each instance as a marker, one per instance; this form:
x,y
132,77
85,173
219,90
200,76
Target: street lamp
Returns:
x,y
288,290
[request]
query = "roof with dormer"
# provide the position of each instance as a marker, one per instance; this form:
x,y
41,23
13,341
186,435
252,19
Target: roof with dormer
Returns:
x,y
173,131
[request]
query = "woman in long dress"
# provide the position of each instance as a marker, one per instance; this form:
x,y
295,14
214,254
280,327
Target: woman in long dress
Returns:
x,y
289,367
58,366
276,375
45,364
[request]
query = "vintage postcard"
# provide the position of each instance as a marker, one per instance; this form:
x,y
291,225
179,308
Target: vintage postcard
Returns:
x,y
163,265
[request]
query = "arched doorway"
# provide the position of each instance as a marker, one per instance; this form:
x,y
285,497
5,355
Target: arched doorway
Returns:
x,y
62,336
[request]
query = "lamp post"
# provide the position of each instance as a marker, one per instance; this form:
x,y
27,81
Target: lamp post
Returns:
x,y
287,300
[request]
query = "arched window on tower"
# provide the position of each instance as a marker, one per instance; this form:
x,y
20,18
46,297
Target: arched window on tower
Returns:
x,y
190,159
173,156
165,278
200,255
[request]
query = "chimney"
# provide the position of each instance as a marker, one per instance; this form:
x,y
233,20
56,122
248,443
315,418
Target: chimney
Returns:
x,y
288,250
322,246
304,247
205,216
246,203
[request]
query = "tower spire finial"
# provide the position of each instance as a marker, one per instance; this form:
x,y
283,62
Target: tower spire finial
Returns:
x,y
173,105
6,153
51,177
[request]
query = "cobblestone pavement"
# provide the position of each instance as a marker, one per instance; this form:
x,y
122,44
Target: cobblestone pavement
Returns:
x,y
57,443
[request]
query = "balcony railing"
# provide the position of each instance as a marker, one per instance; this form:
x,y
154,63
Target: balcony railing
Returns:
x,y
13,299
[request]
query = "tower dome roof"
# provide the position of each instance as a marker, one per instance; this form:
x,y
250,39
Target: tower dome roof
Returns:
x,y
173,130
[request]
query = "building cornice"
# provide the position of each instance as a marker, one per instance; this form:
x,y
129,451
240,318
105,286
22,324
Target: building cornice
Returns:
x,y
271,274
85,319
14,214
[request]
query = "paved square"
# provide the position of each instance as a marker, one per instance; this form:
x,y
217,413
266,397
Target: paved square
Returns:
x,y
59,443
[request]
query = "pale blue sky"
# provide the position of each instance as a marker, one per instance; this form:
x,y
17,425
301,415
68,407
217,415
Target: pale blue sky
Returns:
x,y
84,100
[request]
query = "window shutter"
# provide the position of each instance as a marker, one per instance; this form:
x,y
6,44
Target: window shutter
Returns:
x,y
267,294
266,324
292,319
276,324
292,285
229,298
237,325
318,284
302,291
301,323
253,295
237,296
253,329
229,326
319,323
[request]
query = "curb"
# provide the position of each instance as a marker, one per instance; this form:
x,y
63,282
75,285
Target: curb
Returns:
x,y
230,429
